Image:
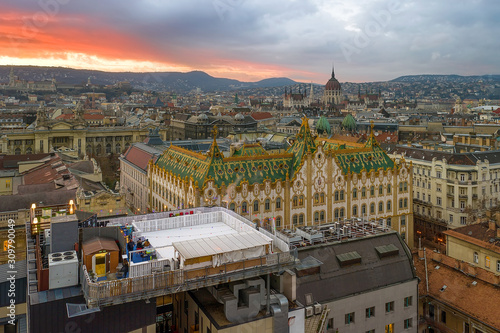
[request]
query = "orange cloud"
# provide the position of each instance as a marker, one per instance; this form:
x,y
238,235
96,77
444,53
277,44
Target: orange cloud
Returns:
x,y
37,38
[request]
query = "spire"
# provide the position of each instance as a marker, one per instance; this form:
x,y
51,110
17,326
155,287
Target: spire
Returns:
x,y
333,71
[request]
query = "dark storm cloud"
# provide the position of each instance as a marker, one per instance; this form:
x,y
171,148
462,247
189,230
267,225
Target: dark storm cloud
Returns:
x,y
367,39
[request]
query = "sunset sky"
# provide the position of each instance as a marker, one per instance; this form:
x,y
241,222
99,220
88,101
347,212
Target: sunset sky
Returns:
x,y
369,40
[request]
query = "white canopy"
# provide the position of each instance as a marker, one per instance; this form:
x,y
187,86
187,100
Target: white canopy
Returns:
x,y
222,244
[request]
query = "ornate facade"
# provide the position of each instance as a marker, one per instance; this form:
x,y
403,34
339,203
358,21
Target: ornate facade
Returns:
x,y
316,181
72,134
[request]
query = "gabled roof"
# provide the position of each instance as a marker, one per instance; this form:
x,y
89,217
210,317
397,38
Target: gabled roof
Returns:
x,y
261,115
303,145
138,157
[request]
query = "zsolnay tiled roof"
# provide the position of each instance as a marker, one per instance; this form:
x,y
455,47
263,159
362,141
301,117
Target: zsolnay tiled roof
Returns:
x,y
251,163
254,149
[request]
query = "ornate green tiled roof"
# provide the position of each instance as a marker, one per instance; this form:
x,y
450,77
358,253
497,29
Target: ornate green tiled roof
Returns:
x,y
232,170
303,144
183,162
329,144
255,165
250,150
368,158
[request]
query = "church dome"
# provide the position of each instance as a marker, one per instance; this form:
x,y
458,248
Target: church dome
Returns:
x,y
239,117
333,83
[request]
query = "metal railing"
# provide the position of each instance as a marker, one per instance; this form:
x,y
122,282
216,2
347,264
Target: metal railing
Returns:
x,y
163,283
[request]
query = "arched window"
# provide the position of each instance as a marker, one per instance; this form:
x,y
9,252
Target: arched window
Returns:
x,y
341,213
29,151
278,222
380,207
316,216
278,203
372,208
322,198
294,219
108,148
244,208
301,200
400,203
389,205
355,210
118,148
267,204
301,219
232,206
316,198
405,204
381,190
354,193
336,196
363,192
341,195
295,201
322,216
388,188
401,187
476,258
363,209
389,222
372,190
256,206
405,186
17,151
336,213
487,262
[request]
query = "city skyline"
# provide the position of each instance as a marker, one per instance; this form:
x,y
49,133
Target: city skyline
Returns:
x,y
249,41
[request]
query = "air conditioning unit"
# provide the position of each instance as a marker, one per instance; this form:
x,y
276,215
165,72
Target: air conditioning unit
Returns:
x,y
317,308
309,311
63,269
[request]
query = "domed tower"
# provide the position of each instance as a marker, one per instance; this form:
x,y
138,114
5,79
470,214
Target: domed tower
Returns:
x,y
333,91
323,127
349,123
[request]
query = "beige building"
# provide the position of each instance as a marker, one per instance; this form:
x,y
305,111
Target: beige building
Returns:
x,y
450,190
134,177
72,134
312,183
477,244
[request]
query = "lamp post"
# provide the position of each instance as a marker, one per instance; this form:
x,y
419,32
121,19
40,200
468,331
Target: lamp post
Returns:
x,y
32,217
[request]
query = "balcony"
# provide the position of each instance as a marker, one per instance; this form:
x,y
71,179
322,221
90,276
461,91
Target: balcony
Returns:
x,y
421,202
450,195
144,287
474,196
463,196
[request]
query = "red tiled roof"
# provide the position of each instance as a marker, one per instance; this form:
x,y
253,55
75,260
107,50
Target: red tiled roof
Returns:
x,y
66,116
93,116
386,137
138,157
10,161
261,115
479,301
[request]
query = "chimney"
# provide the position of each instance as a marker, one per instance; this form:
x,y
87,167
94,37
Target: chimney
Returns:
x,y
492,225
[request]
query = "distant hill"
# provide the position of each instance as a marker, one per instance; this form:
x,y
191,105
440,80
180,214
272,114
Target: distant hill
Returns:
x,y
446,78
170,81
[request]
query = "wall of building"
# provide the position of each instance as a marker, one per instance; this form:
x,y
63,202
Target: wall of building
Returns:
x,y
462,250
378,299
